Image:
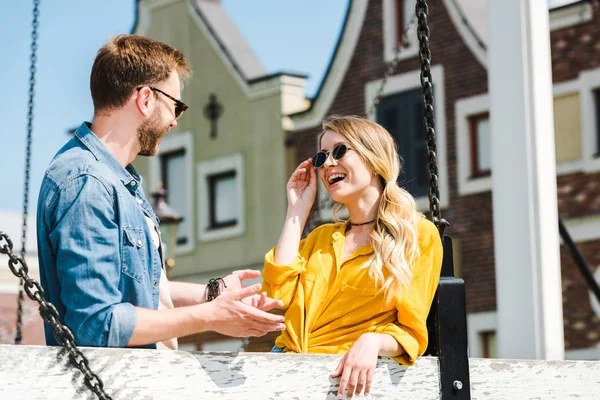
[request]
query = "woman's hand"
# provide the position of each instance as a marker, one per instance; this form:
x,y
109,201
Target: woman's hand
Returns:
x,y
358,365
302,189
234,281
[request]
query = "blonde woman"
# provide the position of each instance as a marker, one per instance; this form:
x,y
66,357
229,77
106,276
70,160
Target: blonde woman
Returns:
x,y
363,286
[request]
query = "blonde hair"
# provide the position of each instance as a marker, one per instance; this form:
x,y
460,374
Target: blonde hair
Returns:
x,y
395,236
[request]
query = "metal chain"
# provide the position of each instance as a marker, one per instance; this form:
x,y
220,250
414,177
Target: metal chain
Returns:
x,y
404,43
421,11
34,27
62,333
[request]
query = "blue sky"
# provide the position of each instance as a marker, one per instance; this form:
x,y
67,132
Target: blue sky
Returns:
x,y
296,36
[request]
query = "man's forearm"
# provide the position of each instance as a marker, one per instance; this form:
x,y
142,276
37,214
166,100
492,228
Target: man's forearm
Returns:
x,y
187,294
154,326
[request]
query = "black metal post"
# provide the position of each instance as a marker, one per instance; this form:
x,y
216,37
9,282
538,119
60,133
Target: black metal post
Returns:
x,y
447,326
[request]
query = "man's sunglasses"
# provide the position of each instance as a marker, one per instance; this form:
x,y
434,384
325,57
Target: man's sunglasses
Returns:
x,y
180,106
338,153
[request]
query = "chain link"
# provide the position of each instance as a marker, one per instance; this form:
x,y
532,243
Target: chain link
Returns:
x,y
421,12
34,27
404,43
49,314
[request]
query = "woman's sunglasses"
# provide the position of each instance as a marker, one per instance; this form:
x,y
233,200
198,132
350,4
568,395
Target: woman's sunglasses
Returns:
x,y
180,106
338,153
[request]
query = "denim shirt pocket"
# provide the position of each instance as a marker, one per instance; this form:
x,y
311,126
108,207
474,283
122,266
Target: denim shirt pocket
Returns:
x,y
134,253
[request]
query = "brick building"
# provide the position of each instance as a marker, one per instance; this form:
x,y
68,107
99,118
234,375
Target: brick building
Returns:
x,y
458,45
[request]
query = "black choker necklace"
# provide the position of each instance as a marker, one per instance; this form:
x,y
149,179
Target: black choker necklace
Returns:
x,y
362,223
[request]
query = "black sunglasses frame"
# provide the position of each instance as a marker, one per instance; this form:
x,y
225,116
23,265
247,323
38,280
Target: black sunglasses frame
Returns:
x,y
335,153
180,106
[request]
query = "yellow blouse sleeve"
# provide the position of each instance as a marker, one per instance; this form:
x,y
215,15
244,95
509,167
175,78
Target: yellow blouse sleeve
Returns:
x,y
280,281
413,306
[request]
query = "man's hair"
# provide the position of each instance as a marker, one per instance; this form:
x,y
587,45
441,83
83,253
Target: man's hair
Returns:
x,y
127,62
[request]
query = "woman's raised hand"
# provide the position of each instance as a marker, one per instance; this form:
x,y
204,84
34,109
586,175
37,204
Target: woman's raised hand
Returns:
x,y
302,189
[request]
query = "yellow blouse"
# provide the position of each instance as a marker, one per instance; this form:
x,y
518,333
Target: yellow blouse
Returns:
x,y
329,306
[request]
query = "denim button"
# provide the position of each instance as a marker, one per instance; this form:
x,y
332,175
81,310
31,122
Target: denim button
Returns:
x,y
155,283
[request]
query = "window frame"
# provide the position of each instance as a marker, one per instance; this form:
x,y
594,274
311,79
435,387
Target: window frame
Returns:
x,y
208,229
171,143
212,182
163,158
474,119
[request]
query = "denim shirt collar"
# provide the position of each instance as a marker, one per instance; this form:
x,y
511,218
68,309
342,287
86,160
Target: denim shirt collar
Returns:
x,y
129,176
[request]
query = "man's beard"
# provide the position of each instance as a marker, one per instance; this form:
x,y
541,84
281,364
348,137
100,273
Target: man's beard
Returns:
x,y
149,134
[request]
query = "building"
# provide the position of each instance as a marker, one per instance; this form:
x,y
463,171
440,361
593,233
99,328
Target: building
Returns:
x,y
226,164
458,45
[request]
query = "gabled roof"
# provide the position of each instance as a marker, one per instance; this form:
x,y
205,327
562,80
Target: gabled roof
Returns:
x,y
234,44
469,17
222,33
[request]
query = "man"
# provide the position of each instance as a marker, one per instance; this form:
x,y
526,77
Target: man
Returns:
x,y
101,258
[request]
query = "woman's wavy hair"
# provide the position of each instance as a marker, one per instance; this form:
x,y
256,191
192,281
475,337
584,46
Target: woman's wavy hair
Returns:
x,y
395,236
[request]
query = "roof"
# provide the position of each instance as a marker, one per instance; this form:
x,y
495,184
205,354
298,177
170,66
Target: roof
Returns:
x,y
474,13
222,27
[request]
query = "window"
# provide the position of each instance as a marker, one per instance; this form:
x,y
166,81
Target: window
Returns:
x,y
473,144
488,344
172,167
404,12
479,137
223,200
567,127
481,331
401,105
221,212
396,15
402,115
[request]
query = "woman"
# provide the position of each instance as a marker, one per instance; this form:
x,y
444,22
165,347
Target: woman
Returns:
x,y
363,286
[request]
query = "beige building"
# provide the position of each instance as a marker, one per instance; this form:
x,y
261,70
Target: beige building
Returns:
x,y
225,174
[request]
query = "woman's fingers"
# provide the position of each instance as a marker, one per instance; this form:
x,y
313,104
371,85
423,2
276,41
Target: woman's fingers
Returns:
x,y
345,381
361,382
339,368
370,373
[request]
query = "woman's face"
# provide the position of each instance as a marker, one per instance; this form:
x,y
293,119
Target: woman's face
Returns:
x,y
347,178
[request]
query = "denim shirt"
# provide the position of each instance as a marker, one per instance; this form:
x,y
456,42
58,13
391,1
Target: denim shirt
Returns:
x,y
96,256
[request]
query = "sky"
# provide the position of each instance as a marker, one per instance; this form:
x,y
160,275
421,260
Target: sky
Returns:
x,y
295,36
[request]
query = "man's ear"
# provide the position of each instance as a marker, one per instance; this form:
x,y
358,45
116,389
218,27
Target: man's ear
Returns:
x,y
143,97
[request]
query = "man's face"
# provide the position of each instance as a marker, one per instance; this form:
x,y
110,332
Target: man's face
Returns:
x,y
150,133
163,117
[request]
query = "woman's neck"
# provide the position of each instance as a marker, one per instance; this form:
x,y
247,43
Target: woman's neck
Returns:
x,y
364,208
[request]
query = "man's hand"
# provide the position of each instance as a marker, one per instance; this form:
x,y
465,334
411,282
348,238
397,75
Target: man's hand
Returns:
x,y
235,315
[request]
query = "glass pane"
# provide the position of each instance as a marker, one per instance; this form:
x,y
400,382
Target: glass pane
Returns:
x,y
484,159
402,115
226,199
175,183
597,99
409,10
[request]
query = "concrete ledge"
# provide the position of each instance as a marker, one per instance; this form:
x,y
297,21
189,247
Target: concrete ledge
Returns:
x,y
37,372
